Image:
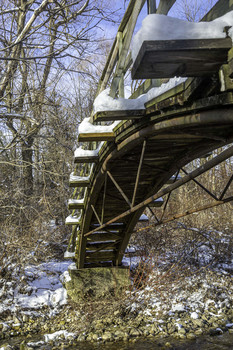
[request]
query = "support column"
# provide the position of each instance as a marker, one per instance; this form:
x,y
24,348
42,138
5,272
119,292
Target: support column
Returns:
x,y
96,283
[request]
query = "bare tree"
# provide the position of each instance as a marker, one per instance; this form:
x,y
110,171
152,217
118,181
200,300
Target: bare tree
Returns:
x,y
193,10
43,46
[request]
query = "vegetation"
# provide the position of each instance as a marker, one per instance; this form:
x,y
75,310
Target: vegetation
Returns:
x,y
48,80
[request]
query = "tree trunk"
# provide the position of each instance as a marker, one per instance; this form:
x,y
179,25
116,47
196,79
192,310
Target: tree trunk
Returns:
x,y
27,158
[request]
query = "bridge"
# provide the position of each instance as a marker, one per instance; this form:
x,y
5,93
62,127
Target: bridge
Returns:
x,y
131,150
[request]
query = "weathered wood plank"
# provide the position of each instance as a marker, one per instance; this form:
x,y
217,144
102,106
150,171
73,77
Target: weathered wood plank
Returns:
x,y
223,99
100,256
102,136
226,81
165,6
184,137
97,264
127,15
231,69
93,246
124,52
73,220
109,66
230,62
187,58
76,203
218,10
102,237
115,226
118,115
188,87
79,181
145,87
151,6
87,159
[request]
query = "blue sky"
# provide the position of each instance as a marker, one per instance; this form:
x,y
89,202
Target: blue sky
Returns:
x,y
197,7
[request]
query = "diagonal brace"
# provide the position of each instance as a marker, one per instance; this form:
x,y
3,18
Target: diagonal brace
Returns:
x,y
202,169
138,173
119,188
202,186
226,188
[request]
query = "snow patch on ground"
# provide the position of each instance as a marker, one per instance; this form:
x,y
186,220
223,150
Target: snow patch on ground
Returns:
x,y
39,286
57,335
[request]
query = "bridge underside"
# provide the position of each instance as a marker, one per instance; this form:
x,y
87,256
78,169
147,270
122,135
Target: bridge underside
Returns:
x,y
139,163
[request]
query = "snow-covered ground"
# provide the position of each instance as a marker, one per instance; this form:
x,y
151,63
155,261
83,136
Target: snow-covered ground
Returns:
x,y
169,296
34,288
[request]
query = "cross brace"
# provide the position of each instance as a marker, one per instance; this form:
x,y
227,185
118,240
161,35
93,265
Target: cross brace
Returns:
x,y
202,169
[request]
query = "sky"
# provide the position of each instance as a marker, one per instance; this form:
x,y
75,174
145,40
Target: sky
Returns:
x,y
181,9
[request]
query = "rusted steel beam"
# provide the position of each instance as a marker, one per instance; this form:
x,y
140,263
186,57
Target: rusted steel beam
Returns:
x,y
201,186
202,169
119,188
96,215
226,188
168,198
104,197
188,212
138,172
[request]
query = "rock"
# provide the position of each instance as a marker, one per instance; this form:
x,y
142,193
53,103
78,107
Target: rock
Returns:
x,y
199,332
25,318
81,337
213,320
6,347
16,320
107,336
5,327
171,330
135,332
215,331
197,322
182,336
120,334
95,337
23,346
191,336
181,331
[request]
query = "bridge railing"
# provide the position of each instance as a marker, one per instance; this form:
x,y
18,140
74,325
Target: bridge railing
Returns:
x,y
120,57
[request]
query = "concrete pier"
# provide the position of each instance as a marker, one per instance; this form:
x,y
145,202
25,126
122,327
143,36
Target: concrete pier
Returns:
x,y
96,283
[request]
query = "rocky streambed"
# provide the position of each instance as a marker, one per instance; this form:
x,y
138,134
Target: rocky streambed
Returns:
x,y
196,305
